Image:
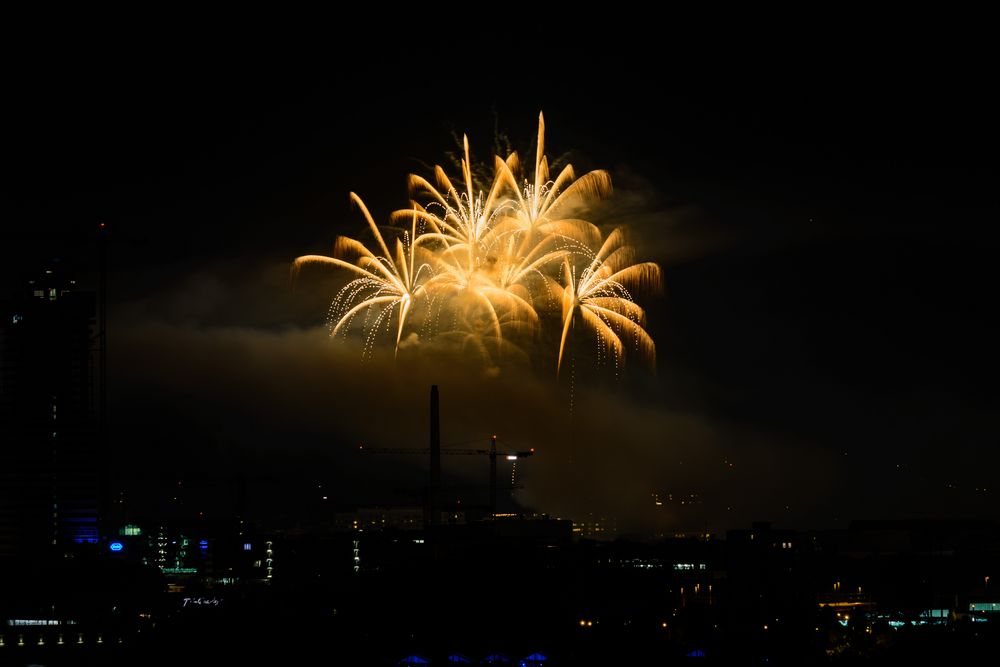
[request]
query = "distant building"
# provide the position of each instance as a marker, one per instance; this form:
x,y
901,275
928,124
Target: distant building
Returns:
x,y
217,551
383,518
596,527
767,579
48,425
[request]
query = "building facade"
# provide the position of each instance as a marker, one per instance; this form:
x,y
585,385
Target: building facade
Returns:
x,y
48,418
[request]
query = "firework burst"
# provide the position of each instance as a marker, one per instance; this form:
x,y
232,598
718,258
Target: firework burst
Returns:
x,y
599,296
494,263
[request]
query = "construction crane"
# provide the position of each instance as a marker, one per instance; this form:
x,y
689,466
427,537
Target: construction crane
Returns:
x,y
493,453
435,452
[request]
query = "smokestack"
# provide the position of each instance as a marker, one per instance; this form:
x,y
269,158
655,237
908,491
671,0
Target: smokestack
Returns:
x,y
435,482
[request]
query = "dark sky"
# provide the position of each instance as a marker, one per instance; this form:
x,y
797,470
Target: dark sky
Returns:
x,y
825,219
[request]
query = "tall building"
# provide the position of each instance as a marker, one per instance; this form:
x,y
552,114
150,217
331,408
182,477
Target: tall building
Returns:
x,y
48,418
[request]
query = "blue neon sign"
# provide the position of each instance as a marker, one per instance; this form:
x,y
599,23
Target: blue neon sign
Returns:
x,y
115,546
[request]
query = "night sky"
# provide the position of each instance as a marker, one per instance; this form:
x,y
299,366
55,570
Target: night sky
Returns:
x,y
826,225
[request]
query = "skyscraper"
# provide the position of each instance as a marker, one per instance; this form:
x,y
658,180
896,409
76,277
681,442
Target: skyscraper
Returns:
x,y
48,418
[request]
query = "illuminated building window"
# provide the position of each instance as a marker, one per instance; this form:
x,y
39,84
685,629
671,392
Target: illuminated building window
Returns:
x,y
247,546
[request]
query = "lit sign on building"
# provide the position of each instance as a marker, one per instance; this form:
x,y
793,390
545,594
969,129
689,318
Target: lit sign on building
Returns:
x,y
202,602
115,546
37,621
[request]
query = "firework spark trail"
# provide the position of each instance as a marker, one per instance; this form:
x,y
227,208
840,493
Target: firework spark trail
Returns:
x,y
599,296
498,263
385,281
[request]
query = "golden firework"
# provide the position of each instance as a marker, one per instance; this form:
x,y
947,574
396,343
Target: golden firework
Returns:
x,y
492,262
